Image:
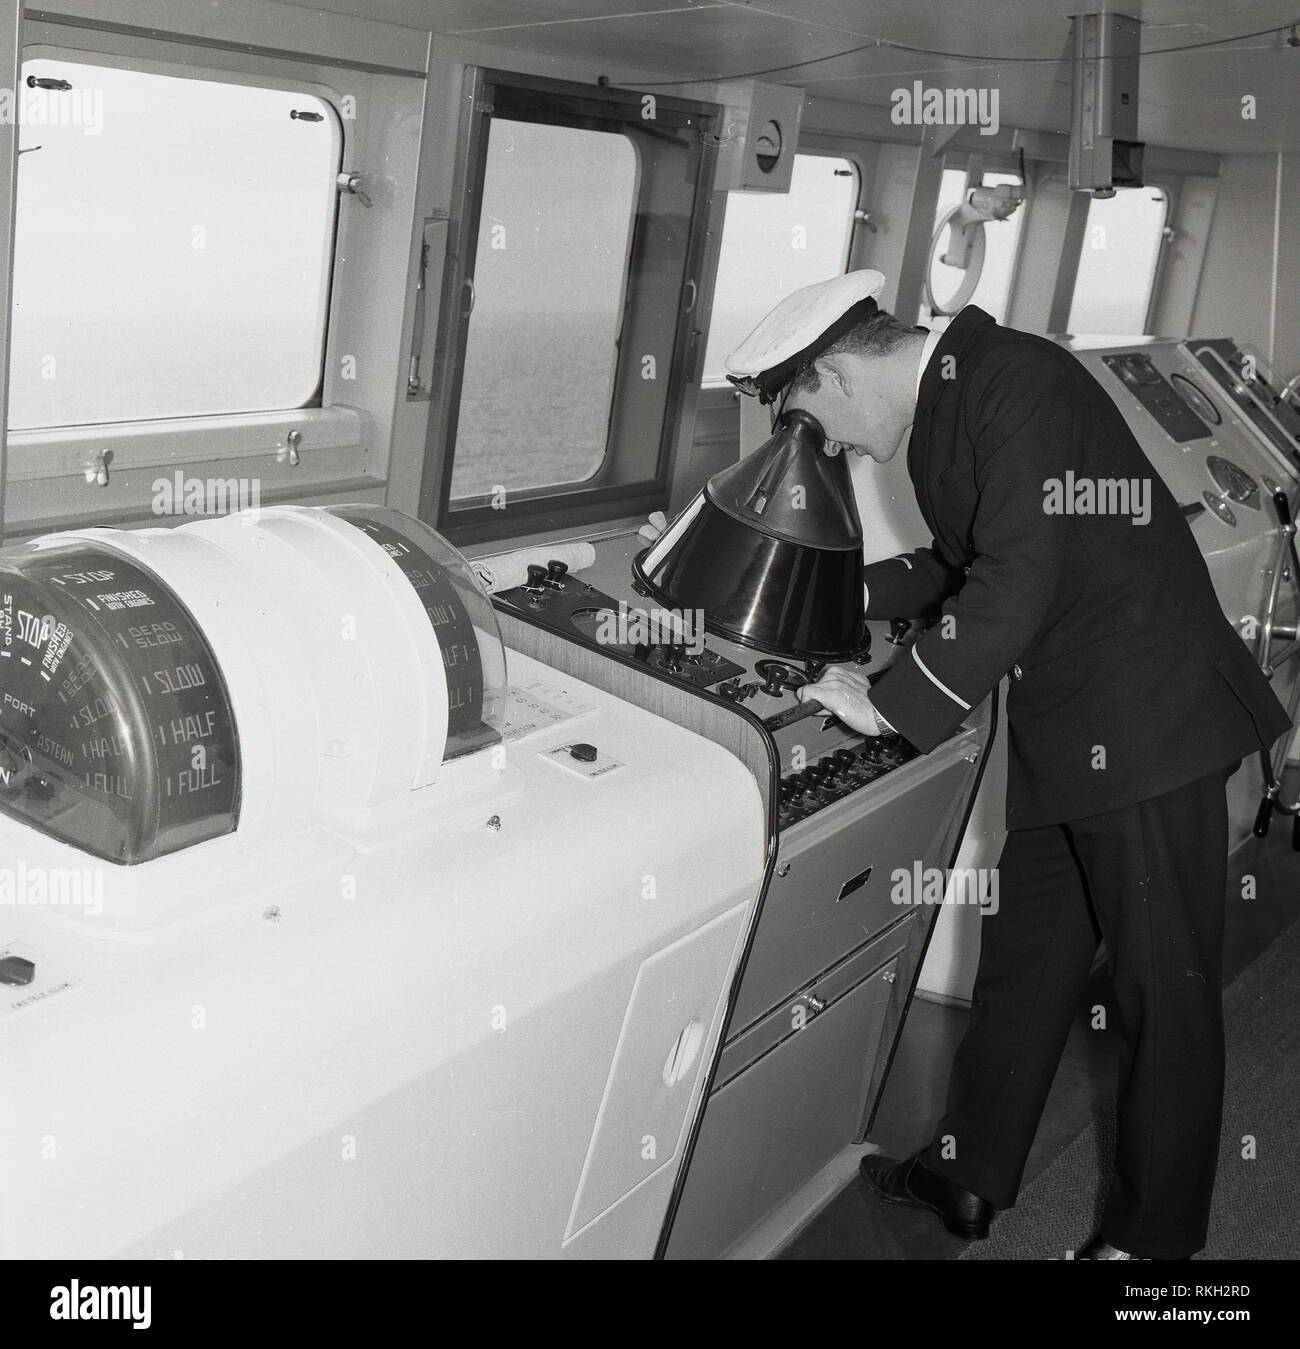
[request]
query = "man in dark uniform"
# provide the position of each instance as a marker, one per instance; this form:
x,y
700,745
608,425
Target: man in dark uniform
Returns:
x,y
1058,557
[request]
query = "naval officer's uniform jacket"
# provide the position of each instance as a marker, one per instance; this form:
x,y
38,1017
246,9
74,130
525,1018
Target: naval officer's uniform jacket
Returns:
x,y
1126,679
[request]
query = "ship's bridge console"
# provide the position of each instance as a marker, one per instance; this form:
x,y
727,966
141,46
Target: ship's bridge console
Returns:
x,y
373,888
865,835
320,908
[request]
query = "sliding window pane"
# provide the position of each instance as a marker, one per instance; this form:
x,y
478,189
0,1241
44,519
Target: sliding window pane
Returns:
x,y
550,281
173,245
777,242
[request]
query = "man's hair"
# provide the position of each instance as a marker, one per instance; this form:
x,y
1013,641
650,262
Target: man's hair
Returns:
x,y
879,335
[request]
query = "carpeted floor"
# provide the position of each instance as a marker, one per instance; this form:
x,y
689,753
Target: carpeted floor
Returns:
x,y
1256,1214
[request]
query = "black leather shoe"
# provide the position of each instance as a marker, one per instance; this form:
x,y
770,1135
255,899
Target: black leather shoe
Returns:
x,y
1101,1249
911,1182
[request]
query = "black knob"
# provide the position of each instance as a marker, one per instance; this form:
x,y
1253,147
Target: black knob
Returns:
x,y
555,571
898,629
845,758
536,577
584,753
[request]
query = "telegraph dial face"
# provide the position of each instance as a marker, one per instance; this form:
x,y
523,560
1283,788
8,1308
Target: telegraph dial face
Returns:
x,y
116,731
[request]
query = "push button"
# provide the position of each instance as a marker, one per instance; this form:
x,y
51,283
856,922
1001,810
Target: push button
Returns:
x,y
16,970
584,753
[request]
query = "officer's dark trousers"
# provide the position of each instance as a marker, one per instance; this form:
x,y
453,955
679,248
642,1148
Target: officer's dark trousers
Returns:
x,y
1151,877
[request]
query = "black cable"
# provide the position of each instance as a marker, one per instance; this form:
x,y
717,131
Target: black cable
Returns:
x,y
884,42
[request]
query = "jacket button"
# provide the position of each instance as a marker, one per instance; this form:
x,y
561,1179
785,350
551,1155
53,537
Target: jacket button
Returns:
x,y
1015,672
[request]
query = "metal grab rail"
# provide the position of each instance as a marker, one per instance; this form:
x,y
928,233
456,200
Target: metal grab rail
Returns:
x,y
1286,565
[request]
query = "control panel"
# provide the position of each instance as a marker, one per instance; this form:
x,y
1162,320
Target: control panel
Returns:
x,y
822,761
1157,395
1217,429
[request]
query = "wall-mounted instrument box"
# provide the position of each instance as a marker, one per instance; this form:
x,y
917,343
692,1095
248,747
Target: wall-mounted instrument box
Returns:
x,y
1105,152
760,133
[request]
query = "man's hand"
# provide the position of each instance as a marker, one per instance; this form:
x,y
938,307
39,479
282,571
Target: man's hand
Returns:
x,y
654,526
845,691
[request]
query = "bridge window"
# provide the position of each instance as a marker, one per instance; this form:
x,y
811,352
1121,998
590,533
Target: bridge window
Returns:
x,y
565,334
1118,261
774,243
550,276
173,245
997,262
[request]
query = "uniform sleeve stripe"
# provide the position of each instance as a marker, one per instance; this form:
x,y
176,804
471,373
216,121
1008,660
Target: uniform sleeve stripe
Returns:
x,y
906,562
943,688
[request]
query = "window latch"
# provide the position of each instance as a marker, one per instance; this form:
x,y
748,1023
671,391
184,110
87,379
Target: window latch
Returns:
x,y
351,182
97,470
289,450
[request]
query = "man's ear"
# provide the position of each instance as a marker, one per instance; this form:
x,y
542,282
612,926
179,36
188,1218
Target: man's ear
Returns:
x,y
831,368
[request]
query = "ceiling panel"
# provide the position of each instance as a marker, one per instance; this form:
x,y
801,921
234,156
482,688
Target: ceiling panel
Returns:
x,y
1189,99
481,16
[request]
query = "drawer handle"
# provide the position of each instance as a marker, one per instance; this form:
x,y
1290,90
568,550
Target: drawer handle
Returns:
x,y
854,883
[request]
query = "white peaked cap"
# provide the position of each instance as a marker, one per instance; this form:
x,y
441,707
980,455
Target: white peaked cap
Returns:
x,y
800,328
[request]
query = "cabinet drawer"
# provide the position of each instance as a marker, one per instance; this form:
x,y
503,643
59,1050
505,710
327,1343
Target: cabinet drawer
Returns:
x,y
836,893
794,1100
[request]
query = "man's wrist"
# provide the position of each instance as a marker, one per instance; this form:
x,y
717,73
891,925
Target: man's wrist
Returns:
x,y
885,727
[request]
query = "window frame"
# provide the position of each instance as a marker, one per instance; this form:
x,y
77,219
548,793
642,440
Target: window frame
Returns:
x,y
341,452
33,52
619,309
1163,184
634,477
975,165
715,387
